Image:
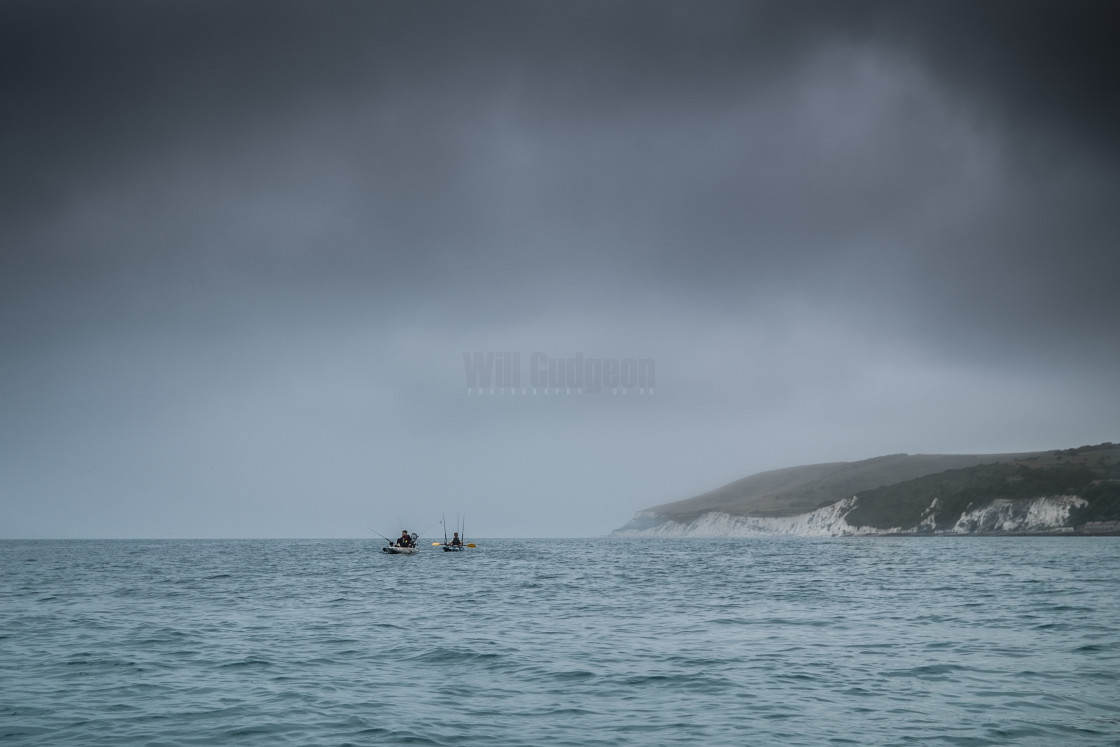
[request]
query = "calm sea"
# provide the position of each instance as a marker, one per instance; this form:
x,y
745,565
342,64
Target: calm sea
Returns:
x,y
924,641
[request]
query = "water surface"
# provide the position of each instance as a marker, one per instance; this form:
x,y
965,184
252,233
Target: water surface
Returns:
x,y
609,641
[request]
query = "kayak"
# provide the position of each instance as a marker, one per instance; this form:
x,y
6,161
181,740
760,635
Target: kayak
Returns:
x,y
394,550
452,548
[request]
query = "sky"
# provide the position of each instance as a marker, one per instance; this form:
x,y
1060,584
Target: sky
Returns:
x,y
249,249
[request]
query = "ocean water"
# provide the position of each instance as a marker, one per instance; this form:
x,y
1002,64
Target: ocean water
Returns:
x,y
608,641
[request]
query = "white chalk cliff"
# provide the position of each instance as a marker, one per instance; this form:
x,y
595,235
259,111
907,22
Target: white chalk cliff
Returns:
x,y
1061,491
1049,514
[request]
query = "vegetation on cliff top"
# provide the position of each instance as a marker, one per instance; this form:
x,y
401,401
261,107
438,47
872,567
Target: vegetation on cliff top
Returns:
x,y
1089,472
899,490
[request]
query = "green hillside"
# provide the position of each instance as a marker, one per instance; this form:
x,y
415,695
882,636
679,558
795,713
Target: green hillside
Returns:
x,y
1091,472
904,490
797,490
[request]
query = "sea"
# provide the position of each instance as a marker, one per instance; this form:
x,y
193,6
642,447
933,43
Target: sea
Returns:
x,y
602,641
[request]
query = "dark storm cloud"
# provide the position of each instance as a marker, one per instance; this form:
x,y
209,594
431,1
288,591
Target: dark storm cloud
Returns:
x,y
1035,62
411,89
665,134
203,200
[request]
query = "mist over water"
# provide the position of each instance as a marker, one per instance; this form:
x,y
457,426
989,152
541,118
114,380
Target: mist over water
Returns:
x,y
962,641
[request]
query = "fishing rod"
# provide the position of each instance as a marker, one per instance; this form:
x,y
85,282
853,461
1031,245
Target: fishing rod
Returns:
x,y
424,532
413,535
461,527
445,542
463,534
379,534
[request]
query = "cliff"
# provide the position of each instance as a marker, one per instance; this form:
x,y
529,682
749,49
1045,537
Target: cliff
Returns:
x,y
1064,491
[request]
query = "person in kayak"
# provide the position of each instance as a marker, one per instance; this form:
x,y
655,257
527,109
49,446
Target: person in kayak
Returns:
x,y
404,540
455,541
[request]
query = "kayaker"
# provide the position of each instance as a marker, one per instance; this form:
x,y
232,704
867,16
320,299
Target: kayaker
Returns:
x,y
455,541
404,540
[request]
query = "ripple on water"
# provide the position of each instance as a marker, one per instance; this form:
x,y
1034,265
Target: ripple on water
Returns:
x,y
611,641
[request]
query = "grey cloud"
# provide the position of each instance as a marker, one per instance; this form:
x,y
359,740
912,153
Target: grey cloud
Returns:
x,y
295,218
